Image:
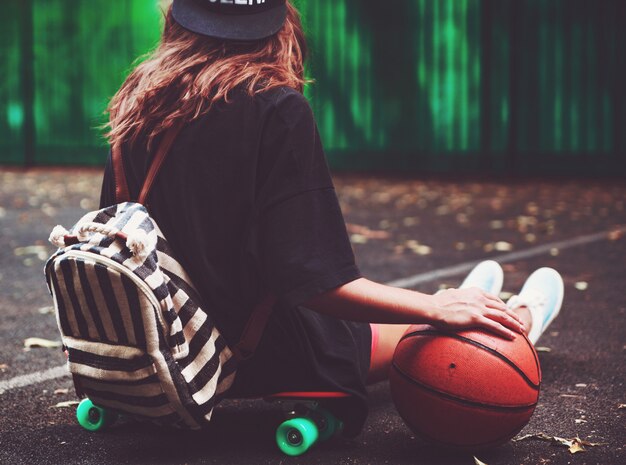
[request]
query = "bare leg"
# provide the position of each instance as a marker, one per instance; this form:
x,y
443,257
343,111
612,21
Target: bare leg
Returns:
x,y
380,361
526,318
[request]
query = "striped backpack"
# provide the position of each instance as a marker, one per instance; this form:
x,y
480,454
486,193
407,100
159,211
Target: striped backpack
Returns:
x,y
137,338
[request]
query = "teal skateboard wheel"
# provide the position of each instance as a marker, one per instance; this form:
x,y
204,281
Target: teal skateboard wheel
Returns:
x,y
296,436
93,418
327,425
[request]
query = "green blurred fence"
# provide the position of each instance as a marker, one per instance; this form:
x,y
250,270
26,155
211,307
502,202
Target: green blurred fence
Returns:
x,y
61,61
426,85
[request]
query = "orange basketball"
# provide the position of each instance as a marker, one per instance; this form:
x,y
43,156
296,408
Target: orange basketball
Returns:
x,y
467,389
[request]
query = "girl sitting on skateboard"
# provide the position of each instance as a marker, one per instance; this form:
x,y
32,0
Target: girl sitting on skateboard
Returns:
x,y
246,201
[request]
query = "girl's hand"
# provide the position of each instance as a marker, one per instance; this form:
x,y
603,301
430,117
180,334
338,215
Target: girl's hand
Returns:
x,y
475,308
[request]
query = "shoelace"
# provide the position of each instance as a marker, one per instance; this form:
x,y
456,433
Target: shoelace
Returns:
x,y
532,299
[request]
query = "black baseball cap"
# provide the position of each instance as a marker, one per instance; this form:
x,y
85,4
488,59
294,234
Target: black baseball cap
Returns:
x,y
231,19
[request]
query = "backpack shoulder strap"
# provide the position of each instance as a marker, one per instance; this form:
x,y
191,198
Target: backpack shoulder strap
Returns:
x,y
251,335
121,186
257,321
122,194
164,149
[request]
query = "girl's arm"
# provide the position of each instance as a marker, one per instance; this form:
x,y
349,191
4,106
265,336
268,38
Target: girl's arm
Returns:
x,y
367,301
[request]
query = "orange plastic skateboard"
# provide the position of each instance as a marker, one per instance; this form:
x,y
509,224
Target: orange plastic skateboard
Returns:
x,y
308,421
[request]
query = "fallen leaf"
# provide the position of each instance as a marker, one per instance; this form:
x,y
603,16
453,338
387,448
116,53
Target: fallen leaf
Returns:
x,y
580,421
60,392
581,285
543,349
410,221
423,250
532,208
31,250
66,404
478,462
621,406
358,239
442,210
581,385
542,436
357,229
502,246
48,209
530,237
33,342
616,234
46,310
574,445
418,248
86,204
578,445
3,367
384,224
462,218
523,222
562,441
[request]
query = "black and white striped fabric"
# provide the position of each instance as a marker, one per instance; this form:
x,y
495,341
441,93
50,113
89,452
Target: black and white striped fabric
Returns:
x,y
137,339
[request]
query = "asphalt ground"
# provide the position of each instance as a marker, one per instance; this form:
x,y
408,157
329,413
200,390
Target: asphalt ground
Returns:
x,y
400,227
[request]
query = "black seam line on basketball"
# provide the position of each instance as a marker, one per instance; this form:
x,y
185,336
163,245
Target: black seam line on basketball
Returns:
x,y
500,408
537,364
480,346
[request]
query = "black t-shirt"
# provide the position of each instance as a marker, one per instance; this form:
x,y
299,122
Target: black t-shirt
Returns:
x,y
247,203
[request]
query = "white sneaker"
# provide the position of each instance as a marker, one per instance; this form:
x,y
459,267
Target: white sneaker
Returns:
x,y
487,275
542,293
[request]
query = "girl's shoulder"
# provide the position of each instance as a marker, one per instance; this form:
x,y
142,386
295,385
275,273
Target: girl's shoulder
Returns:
x,y
287,104
281,101
282,97
280,94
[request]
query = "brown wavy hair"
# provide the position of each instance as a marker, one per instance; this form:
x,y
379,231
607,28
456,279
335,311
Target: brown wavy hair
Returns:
x,y
188,72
